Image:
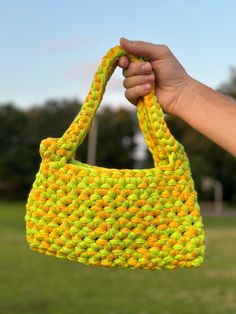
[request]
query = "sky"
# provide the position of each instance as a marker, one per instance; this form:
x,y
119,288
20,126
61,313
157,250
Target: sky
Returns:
x,y
51,49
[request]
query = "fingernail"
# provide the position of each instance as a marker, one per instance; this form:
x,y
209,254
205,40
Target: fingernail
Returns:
x,y
147,87
149,78
146,67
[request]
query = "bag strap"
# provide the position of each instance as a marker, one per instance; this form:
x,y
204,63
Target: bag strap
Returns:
x,y
161,143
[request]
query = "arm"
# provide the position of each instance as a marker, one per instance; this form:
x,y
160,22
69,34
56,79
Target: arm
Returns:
x,y
209,112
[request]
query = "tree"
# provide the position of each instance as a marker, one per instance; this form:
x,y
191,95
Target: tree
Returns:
x,y
12,148
229,87
116,131
22,131
20,135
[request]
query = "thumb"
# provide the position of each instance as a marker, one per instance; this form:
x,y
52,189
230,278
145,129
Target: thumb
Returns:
x,y
144,49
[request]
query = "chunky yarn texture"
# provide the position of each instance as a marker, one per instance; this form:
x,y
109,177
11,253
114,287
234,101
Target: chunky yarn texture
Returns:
x,y
129,218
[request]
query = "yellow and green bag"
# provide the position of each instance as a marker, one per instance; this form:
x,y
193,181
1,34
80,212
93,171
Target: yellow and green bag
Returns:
x,y
139,218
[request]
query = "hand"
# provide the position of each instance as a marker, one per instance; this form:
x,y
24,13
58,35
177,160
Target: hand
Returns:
x,y
206,110
170,77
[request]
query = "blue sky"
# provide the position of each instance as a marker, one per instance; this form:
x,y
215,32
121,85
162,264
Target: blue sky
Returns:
x,y
51,49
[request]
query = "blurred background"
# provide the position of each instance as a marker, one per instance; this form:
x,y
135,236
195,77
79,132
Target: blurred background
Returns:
x,y
49,54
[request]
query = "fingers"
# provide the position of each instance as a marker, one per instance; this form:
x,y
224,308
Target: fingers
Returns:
x,y
137,68
123,62
138,80
141,48
134,68
133,93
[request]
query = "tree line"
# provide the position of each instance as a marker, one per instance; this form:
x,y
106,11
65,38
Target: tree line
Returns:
x,y
21,132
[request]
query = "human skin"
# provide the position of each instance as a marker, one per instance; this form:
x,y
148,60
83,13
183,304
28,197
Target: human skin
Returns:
x,y
206,110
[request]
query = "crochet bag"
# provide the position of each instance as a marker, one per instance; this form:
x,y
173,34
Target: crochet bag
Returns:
x,y
139,218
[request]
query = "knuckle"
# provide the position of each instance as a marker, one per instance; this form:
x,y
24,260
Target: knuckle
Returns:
x,y
138,91
123,62
139,67
125,83
135,68
144,89
144,79
165,49
132,94
124,72
127,94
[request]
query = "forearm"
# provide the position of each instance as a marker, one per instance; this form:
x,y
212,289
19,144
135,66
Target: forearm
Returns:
x,y
211,113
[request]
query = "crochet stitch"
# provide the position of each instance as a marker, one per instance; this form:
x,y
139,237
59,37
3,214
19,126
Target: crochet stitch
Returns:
x,y
128,218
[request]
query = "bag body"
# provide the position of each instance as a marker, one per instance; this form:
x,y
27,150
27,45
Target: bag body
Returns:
x,y
128,218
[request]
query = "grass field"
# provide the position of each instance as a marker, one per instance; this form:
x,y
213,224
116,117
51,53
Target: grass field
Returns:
x,y
34,283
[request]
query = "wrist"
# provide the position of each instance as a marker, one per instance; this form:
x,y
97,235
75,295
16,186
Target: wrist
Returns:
x,y
209,112
187,98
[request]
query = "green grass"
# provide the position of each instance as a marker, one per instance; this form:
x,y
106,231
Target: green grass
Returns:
x,y
34,283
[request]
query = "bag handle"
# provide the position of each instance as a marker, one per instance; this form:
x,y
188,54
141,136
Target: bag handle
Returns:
x,y
161,143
